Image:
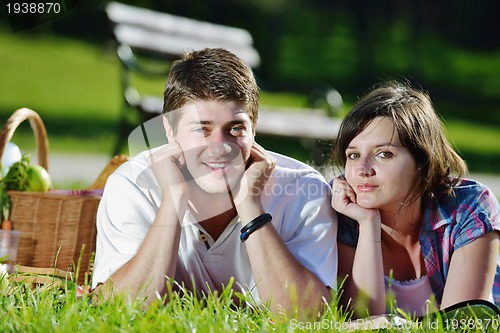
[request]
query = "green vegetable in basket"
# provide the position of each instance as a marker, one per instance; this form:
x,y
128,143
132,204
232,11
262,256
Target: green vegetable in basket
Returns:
x,y
15,179
17,176
22,176
38,179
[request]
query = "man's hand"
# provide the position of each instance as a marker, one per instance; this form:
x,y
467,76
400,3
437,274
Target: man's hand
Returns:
x,y
247,197
166,164
144,273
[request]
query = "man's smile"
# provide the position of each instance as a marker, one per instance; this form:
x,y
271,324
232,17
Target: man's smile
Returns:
x,y
216,166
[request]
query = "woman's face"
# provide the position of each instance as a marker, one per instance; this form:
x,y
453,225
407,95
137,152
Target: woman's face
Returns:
x,y
379,169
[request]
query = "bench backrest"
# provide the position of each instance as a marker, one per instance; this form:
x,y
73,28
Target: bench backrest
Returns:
x,y
173,35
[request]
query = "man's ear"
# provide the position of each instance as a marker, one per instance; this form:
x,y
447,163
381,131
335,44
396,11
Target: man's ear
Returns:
x,y
168,129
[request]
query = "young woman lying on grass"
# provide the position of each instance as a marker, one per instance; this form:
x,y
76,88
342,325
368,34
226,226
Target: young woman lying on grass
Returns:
x,y
410,225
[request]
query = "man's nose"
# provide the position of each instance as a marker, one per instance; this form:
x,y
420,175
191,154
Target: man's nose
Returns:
x,y
218,144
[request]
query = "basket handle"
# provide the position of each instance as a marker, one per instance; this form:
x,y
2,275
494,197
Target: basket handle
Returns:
x,y
38,128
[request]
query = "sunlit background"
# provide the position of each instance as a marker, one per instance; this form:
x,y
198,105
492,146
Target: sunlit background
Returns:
x,y
67,69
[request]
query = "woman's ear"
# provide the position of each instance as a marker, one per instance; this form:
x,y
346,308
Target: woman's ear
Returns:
x,y
168,129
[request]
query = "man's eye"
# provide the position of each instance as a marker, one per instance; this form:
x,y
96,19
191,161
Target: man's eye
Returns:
x,y
237,130
201,131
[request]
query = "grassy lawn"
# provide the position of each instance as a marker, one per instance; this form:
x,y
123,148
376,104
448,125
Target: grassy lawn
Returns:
x,y
63,309
75,88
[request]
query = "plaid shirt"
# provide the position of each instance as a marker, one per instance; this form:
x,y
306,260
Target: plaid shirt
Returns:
x,y
448,224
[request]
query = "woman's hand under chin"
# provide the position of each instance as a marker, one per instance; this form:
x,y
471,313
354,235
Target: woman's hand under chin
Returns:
x,y
344,202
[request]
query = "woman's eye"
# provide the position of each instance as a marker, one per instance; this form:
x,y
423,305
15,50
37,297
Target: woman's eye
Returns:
x,y
385,154
352,156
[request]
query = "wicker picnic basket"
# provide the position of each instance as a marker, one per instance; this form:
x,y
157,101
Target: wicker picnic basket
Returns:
x,y
57,230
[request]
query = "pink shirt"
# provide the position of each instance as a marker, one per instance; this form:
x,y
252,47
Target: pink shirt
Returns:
x,y
415,296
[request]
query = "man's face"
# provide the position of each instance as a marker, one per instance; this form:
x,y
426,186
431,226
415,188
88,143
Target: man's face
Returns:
x,y
216,138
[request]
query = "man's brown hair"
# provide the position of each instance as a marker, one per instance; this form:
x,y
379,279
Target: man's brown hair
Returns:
x,y
210,74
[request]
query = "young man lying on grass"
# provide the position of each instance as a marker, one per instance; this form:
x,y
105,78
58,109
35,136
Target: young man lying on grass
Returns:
x,y
212,204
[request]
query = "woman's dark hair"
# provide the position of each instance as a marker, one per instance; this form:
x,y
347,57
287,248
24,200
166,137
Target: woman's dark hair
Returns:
x,y
419,129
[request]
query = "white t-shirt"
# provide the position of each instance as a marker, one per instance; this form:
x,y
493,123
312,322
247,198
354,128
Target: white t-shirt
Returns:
x,y
297,197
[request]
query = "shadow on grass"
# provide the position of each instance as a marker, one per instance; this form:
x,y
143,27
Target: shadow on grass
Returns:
x,y
80,125
69,133
483,163
472,109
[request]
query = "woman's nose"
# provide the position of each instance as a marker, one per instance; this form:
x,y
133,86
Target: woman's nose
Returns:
x,y
365,167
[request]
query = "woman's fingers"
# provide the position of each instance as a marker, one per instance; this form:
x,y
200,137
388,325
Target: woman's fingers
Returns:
x,y
342,192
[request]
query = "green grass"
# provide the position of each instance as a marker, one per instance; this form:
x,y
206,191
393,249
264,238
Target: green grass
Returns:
x,y
42,309
72,85
469,136
25,308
